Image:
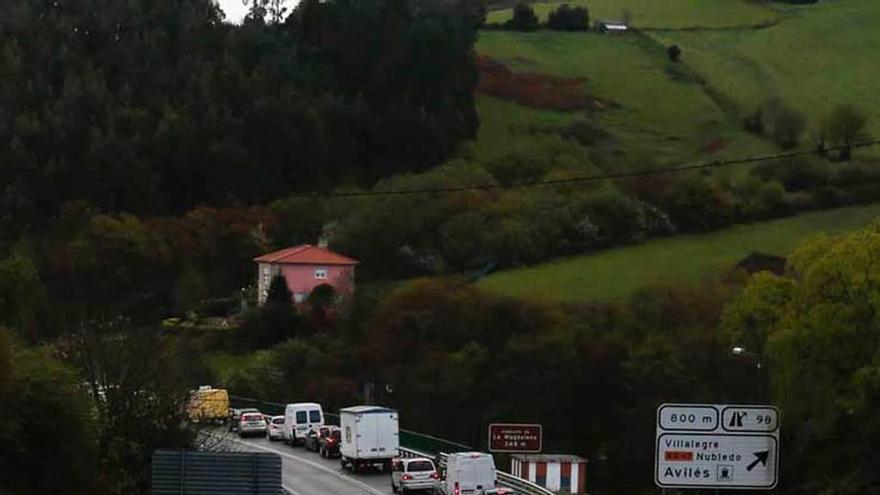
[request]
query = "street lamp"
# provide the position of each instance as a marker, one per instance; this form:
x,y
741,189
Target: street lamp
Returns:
x,y
760,374
742,351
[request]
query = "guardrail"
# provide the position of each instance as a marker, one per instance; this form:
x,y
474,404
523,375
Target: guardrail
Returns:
x,y
518,485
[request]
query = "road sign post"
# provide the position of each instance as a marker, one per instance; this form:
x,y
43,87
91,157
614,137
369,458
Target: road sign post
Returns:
x,y
717,446
515,438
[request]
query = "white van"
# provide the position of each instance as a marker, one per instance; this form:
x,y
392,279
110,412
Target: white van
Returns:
x,y
299,418
469,473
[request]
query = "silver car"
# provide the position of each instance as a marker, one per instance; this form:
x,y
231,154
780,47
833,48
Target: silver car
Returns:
x,y
252,424
275,428
418,473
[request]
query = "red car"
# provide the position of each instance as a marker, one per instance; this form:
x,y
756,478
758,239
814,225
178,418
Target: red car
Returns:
x,y
328,444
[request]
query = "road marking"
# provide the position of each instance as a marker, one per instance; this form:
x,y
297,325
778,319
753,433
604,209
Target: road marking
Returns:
x,y
356,482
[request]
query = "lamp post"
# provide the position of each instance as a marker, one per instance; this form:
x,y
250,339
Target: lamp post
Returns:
x,y
742,351
760,375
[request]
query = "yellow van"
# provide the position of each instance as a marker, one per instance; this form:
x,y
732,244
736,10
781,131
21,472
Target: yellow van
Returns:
x,y
209,404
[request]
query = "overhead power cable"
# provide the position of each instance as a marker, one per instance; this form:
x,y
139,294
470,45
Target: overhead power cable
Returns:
x,y
583,178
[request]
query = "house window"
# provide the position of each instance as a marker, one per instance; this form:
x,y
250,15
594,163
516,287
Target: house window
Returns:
x,y
299,297
320,273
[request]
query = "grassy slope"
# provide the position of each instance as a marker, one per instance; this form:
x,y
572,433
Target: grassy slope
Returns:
x,y
823,55
683,259
660,116
502,122
816,57
672,14
225,365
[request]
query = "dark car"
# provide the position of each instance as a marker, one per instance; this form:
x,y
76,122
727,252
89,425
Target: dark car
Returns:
x,y
328,445
313,438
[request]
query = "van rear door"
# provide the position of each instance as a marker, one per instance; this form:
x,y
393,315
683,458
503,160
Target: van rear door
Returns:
x,y
367,436
301,422
466,475
387,440
485,467
316,418
475,474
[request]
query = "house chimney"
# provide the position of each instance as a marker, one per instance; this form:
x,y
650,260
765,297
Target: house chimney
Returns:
x,y
327,232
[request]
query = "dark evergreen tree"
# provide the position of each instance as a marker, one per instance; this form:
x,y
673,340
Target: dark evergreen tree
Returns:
x,y
278,292
567,18
524,18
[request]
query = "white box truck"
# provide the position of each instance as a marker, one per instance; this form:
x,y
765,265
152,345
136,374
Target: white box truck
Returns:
x,y
370,437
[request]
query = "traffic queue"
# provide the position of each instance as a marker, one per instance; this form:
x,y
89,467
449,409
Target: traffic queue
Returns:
x,y
366,439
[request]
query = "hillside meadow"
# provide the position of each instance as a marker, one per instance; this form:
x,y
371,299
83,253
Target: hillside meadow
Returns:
x,y
820,56
684,259
655,110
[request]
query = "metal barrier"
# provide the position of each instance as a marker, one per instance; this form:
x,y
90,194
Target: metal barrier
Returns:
x,y
266,407
520,485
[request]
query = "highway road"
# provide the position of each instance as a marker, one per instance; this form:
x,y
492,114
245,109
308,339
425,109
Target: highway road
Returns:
x,y
307,473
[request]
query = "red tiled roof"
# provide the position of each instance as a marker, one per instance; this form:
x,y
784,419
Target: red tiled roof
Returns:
x,y
306,254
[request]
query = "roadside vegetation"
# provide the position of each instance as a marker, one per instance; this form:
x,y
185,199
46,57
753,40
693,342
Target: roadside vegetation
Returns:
x,y
93,406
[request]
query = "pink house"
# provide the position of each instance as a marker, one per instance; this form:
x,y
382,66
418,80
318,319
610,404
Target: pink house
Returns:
x,y
304,268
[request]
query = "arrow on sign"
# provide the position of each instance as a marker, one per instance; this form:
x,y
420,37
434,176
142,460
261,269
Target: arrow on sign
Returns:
x,y
759,457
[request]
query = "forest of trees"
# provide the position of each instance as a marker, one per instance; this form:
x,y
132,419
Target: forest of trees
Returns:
x,y
157,107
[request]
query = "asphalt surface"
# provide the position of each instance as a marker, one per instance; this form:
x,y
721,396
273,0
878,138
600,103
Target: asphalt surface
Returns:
x,y
307,473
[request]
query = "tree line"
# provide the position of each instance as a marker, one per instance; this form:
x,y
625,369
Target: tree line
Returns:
x,y
562,18
87,263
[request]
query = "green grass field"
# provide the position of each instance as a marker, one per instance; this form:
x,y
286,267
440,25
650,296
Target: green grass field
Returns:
x,y
820,56
687,259
225,365
503,122
814,58
665,14
662,116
